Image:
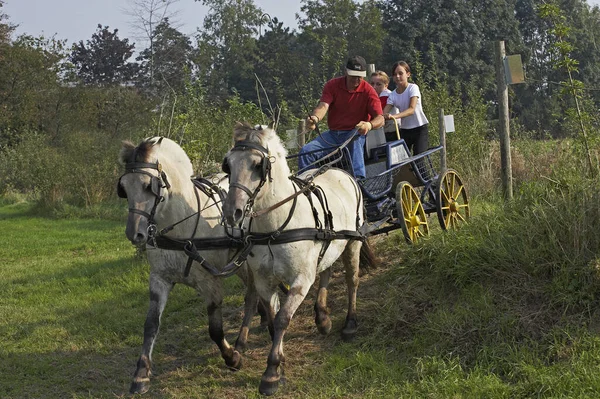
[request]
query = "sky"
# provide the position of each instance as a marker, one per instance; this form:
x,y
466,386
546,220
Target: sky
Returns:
x,y
76,20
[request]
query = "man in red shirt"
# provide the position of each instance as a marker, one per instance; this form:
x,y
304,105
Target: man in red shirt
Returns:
x,y
353,107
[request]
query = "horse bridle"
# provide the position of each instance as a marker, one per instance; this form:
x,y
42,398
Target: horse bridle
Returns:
x,y
265,167
157,183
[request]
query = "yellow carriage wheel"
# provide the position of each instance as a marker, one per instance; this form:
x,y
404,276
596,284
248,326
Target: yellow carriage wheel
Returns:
x,y
451,200
411,214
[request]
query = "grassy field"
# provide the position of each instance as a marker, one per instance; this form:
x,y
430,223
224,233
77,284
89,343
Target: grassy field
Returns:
x,y
457,316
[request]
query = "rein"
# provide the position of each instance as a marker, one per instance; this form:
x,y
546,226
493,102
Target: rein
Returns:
x,y
319,233
159,240
304,189
190,246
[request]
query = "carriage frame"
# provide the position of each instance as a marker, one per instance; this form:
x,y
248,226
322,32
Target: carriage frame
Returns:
x,y
401,190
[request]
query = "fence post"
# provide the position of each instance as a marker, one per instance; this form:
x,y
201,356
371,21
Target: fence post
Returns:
x,y
505,158
442,139
370,70
301,133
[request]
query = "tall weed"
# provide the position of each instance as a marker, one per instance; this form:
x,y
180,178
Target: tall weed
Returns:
x,y
80,171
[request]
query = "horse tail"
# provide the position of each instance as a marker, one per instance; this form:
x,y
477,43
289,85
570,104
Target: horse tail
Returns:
x,y
368,259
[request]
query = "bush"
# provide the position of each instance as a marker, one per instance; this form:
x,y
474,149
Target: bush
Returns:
x,y
81,171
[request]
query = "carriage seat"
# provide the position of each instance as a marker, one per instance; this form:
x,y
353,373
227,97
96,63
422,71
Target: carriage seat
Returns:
x,y
391,152
375,138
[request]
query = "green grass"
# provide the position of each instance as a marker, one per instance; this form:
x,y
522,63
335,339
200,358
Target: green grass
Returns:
x,y
490,311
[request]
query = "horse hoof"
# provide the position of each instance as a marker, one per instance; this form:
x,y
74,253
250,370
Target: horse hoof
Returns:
x,y
140,386
348,336
324,325
235,363
241,347
268,388
349,331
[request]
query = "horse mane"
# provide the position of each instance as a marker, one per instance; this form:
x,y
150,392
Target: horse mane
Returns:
x,y
264,136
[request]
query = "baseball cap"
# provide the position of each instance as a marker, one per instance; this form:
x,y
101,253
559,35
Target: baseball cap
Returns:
x,y
356,66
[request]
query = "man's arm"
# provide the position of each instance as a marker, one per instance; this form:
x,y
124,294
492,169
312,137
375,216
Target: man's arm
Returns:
x,y
317,115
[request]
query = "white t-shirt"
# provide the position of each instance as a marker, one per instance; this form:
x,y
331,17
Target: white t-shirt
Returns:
x,y
402,101
387,93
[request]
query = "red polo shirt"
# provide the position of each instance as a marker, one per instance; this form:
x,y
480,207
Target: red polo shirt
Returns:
x,y
347,108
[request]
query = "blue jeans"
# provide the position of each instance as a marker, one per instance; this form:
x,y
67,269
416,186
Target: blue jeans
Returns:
x,y
333,138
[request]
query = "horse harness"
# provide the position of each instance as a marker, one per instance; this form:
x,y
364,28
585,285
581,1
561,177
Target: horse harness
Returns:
x,y
190,246
157,183
323,231
158,239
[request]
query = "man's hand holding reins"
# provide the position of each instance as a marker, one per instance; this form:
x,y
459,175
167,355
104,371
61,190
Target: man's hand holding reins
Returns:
x,y
311,122
363,127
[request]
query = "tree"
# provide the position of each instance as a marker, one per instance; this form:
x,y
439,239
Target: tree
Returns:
x,y
227,46
147,16
326,30
333,30
6,28
452,38
29,85
103,59
167,66
538,103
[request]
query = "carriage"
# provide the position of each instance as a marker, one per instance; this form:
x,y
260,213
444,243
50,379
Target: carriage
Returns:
x,y
401,190
181,222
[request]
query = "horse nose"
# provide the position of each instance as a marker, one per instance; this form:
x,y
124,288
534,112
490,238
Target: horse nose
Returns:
x,y
238,215
235,217
139,239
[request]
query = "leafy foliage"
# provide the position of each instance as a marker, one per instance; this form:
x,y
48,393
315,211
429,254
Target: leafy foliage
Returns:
x,y
227,47
165,67
5,28
103,59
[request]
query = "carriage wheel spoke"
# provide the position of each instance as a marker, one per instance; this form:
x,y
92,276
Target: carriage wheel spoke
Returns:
x,y
460,189
416,209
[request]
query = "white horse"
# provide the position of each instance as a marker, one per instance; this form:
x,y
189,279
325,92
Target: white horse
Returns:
x,y
292,245
163,199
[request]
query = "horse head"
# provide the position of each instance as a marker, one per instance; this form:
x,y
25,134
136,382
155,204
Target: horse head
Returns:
x,y
255,161
153,172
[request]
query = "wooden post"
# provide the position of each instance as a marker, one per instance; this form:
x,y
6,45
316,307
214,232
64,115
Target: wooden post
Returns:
x,y
370,70
505,158
301,133
443,162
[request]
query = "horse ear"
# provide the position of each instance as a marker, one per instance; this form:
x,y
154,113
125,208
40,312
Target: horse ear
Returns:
x,y
159,141
272,125
126,152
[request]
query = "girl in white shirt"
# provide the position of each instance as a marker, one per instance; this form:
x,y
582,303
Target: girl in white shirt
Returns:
x,y
407,98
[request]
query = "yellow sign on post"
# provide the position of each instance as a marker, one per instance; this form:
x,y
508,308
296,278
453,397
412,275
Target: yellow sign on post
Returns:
x,y
513,69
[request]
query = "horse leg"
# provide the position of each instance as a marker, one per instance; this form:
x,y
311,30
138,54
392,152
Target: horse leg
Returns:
x,y
269,382
232,357
159,292
322,319
351,260
263,311
251,302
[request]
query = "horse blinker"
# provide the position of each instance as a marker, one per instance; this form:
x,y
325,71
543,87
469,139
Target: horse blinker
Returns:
x,y
225,167
120,190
